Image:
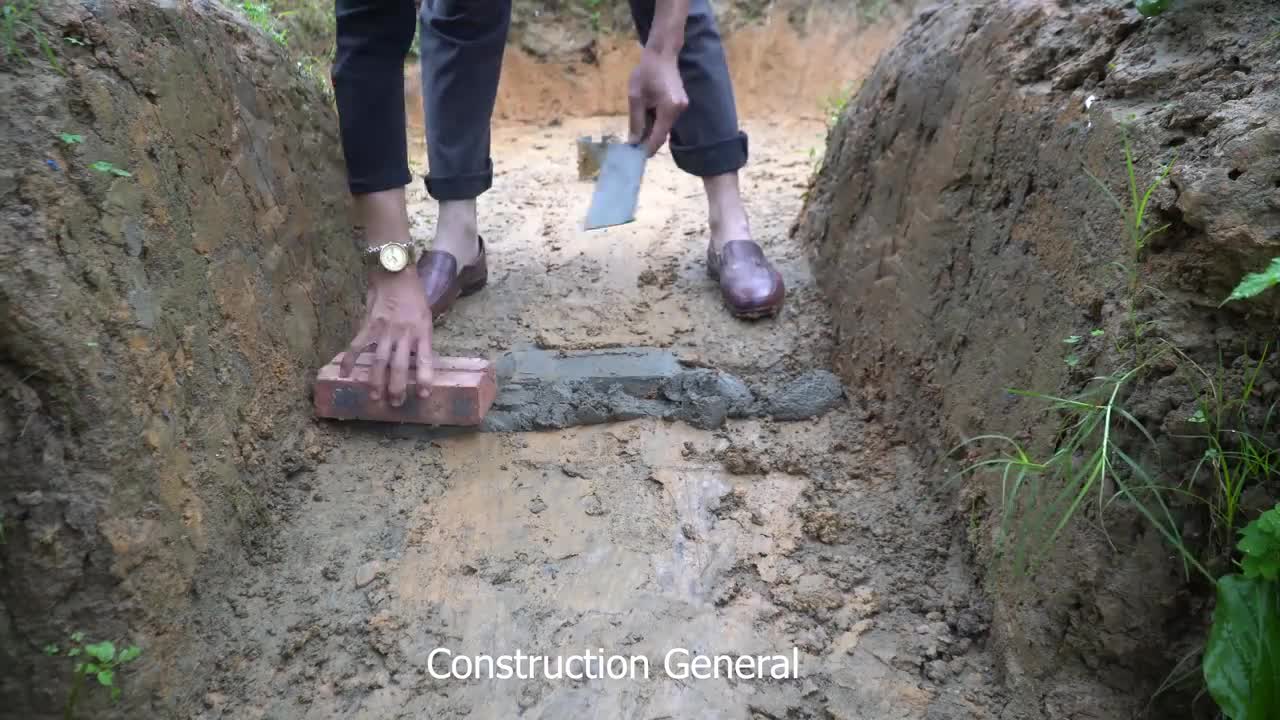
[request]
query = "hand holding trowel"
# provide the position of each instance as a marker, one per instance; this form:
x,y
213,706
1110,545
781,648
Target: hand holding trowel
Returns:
x,y
657,98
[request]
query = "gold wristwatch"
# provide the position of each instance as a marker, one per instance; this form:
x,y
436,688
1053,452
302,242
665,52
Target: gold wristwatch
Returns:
x,y
392,256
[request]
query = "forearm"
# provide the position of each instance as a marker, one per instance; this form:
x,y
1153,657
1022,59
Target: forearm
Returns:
x,y
666,37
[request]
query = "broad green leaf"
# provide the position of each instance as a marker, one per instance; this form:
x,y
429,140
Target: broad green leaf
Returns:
x,y
104,651
1242,657
129,653
89,668
1151,8
103,166
70,139
1197,416
77,636
105,677
50,649
1255,283
1072,360
1260,544
1097,333
1072,340
73,652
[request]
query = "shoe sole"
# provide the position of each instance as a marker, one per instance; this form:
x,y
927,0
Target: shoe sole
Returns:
x,y
760,314
755,314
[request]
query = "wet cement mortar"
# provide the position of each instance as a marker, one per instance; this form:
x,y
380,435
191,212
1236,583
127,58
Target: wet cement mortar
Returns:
x,y
542,390
729,499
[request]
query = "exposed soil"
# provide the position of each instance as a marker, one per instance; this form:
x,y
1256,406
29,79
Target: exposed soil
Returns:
x,y
164,484
958,232
314,582
635,537
157,327
778,71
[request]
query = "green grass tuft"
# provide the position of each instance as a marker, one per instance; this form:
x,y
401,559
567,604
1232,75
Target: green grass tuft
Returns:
x,y
18,26
1088,461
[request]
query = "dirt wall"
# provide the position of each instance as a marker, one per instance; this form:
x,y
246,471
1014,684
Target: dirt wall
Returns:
x,y
961,241
778,70
157,323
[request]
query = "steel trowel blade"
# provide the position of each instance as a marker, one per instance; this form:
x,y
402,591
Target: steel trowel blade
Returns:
x,y
618,187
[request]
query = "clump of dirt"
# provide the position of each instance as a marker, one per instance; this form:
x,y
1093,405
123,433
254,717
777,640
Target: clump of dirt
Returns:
x,y
175,264
962,242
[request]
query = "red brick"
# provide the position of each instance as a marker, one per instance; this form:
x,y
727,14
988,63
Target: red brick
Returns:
x,y
462,390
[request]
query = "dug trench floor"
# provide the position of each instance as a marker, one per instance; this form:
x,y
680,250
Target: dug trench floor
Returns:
x,y
635,538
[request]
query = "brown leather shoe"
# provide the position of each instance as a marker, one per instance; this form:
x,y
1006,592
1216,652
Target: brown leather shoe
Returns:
x,y
750,286
445,283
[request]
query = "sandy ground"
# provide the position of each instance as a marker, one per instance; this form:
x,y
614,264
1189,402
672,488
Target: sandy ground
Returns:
x,y
813,538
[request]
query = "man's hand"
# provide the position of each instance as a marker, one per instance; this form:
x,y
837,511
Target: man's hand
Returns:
x,y
398,319
656,92
656,96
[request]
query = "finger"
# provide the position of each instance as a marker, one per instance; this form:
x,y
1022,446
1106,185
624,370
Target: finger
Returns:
x,y
636,104
662,122
353,352
426,366
400,368
378,373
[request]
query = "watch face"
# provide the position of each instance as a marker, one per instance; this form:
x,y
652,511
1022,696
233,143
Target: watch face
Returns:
x,y
394,257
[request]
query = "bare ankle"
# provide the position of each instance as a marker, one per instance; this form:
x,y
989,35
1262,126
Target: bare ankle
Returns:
x,y
727,215
457,229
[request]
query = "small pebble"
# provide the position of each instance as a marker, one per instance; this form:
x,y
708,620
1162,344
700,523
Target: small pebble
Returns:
x,y
367,573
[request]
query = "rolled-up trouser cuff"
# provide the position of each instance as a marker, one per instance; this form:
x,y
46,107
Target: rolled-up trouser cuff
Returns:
x,y
460,187
717,158
388,180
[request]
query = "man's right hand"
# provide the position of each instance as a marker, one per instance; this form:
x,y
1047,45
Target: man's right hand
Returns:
x,y
398,319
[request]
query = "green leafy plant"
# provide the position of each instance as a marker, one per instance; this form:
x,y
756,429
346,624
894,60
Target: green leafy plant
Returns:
x,y
262,16
97,661
1254,284
1088,460
1260,546
1151,8
315,71
1135,214
17,23
107,168
1235,456
1137,232
833,105
593,12
69,139
1242,657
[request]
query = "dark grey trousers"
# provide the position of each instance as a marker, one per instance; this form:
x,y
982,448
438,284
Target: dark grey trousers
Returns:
x,y
461,45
